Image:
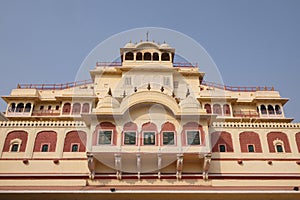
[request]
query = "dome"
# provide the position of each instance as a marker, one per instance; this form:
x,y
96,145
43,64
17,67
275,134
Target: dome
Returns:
x,y
189,102
129,45
108,102
164,46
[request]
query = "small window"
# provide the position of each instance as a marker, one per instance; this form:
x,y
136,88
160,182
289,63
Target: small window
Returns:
x,y
27,107
155,56
45,148
222,148
105,137
147,56
207,108
14,148
86,108
127,81
217,109
75,148
168,138
130,138
41,107
176,83
49,107
263,109
193,137
279,148
165,57
251,148
57,107
167,81
149,138
278,110
129,56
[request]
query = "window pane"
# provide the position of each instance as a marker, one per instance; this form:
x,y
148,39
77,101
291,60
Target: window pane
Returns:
x,y
45,148
105,137
168,138
193,137
130,138
14,148
75,148
167,81
250,148
279,148
149,138
222,148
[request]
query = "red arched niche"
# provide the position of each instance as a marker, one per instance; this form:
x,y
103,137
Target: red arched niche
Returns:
x,y
280,136
222,137
167,126
297,137
22,135
247,138
75,137
45,137
192,126
105,126
149,126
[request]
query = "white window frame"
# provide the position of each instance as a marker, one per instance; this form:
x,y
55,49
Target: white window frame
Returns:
x,y
155,138
186,135
103,130
136,138
162,138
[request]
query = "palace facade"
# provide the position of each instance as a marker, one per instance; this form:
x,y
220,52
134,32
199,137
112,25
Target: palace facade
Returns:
x,y
147,127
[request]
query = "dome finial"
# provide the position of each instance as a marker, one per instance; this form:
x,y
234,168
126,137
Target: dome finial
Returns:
x,y
147,36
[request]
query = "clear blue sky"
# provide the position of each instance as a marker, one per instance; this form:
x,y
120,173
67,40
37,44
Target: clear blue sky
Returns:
x,y
254,42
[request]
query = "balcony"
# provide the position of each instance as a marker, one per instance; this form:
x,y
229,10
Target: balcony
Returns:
x,y
46,113
246,114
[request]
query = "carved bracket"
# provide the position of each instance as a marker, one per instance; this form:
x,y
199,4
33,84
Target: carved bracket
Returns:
x,y
91,165
206,165
118,166
179,166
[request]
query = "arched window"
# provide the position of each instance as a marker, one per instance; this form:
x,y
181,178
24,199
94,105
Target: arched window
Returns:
x,y
86,108
20,107
45,148
76,108
66,109
27,107
75,148
263,110
271,110
12,107
226,109
217,109
147,56
14,147
278,110
155,56
129,56
139,56
165,57
207,108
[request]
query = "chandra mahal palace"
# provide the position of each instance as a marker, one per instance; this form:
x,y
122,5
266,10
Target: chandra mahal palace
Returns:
x,y
147,127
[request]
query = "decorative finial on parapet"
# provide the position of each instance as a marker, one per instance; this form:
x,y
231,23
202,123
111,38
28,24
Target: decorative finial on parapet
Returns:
x,y
147,36
149,86
188,92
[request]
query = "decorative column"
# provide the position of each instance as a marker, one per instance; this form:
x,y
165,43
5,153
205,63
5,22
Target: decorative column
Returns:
x,y
179,166
91,165
206,165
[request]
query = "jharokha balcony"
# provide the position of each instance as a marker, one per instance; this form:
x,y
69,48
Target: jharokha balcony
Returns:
x,y
246,114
